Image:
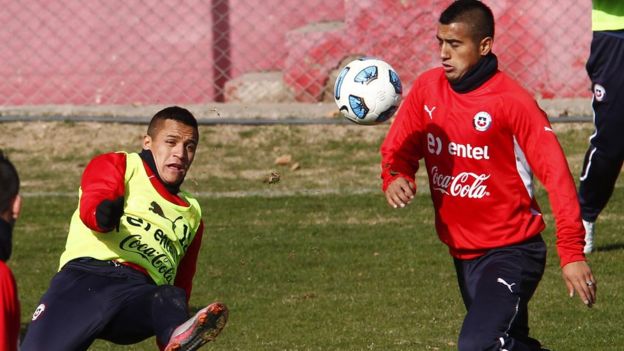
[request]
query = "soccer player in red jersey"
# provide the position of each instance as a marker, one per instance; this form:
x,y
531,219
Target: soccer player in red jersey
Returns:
x,y
10,206
482,136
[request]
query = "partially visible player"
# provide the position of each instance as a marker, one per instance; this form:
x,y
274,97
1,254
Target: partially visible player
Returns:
x,y
131,252
10,206
604,157
482,136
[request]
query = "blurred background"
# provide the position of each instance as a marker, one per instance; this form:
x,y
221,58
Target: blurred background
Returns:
x,y
146,52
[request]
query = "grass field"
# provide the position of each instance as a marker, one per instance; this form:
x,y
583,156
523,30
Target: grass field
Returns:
x,y
317,261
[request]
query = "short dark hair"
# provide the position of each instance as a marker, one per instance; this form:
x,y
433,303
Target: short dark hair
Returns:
x,y
9,182
472,12
176,113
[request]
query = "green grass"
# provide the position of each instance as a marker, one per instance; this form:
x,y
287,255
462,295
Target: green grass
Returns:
x,y
339,270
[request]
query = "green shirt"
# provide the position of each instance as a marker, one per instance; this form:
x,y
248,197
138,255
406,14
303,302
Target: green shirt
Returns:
x,y
607,15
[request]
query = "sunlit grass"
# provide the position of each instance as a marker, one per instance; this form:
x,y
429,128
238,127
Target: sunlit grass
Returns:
x,y
339,270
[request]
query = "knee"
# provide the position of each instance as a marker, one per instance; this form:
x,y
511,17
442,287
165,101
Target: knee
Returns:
x,y
168,294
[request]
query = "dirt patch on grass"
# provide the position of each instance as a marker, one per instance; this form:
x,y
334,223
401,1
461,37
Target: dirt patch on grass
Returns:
x,y
51,155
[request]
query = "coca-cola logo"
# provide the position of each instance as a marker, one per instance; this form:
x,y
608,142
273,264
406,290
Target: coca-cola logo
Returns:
x,y
157,259
464,184
161,256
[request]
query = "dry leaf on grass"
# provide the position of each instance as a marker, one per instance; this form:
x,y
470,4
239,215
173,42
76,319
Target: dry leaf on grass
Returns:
x,y
273,178
283,160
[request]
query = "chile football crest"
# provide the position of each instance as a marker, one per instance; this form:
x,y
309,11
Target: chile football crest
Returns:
x,y
599,92
482,121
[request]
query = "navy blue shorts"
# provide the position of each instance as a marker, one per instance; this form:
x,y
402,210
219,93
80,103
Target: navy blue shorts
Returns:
x,y
496,289
605,155
605,68
89,299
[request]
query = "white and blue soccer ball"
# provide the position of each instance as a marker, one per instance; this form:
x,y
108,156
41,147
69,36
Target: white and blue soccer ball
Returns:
x,y
368,91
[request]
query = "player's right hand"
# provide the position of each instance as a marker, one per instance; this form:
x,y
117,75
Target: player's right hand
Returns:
x,y
108,214
400,192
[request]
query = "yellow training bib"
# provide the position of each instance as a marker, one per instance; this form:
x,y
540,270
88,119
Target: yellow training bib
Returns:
x,y
153,232
607,15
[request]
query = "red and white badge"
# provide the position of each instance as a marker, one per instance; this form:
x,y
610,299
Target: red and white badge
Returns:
x,y
482,121
599,92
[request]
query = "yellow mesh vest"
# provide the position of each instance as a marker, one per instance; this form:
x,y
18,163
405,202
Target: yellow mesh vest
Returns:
x,y
153,232
607,15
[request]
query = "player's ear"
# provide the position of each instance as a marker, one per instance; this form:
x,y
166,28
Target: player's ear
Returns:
x,y
485,46
16,206
147,142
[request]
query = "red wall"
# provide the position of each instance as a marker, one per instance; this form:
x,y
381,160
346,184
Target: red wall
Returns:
x,y
121,52
544,44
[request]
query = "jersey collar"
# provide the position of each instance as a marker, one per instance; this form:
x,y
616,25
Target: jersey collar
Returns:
x,y
477,75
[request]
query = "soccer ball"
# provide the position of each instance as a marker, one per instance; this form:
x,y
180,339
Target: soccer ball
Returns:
x,y
368,91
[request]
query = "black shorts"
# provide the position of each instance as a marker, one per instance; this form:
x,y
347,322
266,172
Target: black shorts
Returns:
x,y
605,68
90,299
496,289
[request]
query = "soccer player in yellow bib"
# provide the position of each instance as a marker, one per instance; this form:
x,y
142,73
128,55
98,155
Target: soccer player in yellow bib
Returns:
x,y
127,269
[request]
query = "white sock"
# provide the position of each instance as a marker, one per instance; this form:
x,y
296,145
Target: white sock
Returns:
x,y
589,236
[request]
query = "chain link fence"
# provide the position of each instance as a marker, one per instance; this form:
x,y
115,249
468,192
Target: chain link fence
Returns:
x,y
113,52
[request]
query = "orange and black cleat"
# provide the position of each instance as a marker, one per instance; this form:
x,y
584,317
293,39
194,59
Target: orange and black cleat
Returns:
x,y
200,329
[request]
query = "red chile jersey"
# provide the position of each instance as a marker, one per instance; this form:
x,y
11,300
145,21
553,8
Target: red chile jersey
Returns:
x,y
104,179
9,310
480,150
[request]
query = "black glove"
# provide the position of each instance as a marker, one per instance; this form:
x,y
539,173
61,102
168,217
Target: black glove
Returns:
x,y
108,213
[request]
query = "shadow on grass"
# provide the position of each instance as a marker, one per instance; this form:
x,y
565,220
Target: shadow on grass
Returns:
x,y
610,247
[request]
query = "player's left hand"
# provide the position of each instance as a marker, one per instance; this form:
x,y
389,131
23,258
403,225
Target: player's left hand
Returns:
x,y
578,277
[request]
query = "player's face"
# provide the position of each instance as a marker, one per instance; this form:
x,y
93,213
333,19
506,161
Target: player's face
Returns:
x,y
459,51
173,146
